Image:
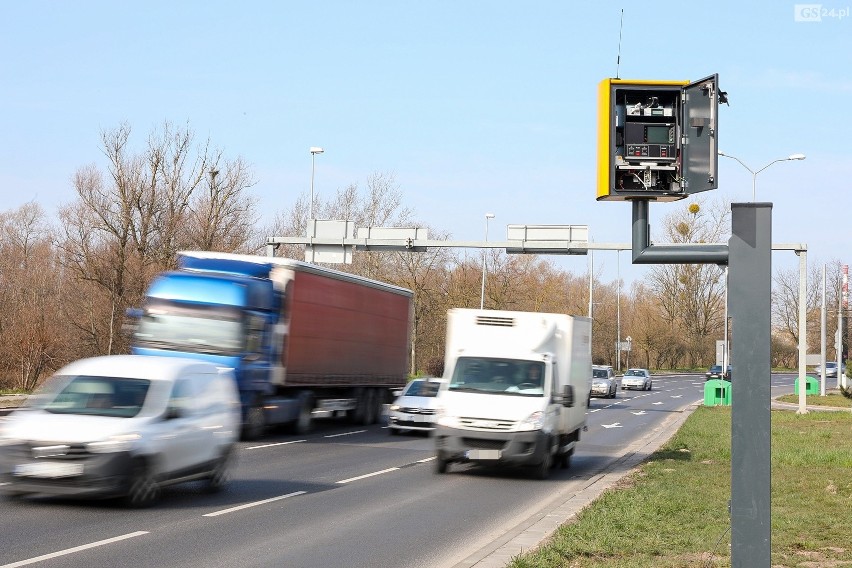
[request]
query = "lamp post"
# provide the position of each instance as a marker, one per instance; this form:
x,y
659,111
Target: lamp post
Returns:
x,y
484,252
754,173
314,151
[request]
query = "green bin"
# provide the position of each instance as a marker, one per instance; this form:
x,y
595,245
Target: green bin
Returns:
x,y
717,393
811,386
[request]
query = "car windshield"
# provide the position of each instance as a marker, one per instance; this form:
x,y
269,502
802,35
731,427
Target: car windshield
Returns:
x,y
94,396
634,373
716,368
498,376
600,373
422,388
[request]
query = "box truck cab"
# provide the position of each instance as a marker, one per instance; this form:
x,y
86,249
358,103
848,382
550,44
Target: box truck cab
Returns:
x,y
516,391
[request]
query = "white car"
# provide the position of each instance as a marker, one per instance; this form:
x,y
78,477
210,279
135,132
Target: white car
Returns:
x,y
415,408
637,379
122,426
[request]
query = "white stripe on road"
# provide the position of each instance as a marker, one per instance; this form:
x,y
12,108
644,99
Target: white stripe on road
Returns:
x,y
345,434
426,460
276,444
73,550
255,504
368,475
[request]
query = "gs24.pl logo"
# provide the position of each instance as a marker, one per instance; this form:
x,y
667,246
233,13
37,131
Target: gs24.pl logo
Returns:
x,y
818,12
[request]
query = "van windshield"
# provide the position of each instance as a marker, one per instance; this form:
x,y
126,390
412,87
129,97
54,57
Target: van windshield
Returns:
x,y
119,397
498,376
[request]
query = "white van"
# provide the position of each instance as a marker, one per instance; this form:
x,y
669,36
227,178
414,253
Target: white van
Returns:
x,y
122,425
516,391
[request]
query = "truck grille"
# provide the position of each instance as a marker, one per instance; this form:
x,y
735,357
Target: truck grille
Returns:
x,y
483,444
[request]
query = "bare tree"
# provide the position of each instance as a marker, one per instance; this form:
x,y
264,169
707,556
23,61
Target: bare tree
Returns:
x,y
32,336
126,226
691,296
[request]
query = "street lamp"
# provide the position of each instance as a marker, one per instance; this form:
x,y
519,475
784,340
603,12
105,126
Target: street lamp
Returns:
x,y
314,151
754,173
482,293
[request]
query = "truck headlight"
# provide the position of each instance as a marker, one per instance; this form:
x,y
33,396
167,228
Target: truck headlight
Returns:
x,y
121,443
534,421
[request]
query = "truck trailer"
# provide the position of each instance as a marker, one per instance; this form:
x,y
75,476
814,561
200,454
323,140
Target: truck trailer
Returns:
x,y
303,340
517,387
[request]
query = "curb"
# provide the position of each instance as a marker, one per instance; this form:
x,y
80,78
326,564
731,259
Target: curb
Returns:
x,y
578,494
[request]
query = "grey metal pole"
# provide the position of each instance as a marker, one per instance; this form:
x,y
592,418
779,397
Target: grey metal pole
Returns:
x,y
484,258
803,330
313,160
822,324
750,264
618,310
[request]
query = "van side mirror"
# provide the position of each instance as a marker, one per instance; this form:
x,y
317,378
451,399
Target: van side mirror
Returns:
x,y
568,396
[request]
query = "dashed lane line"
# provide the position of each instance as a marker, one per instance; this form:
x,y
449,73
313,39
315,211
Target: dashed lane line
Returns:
x,y
367,475
253,504
275,444
73,550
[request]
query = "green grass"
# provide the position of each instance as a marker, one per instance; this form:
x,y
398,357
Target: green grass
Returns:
x,y
834,399
673,510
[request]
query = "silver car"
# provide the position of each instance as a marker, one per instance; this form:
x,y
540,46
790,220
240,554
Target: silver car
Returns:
x,y
637,379
603,381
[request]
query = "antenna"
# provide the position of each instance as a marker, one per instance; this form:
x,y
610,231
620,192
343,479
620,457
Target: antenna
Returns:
x,y
620,27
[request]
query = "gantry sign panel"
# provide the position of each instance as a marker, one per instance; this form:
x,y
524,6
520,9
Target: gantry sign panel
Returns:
x,y
657,139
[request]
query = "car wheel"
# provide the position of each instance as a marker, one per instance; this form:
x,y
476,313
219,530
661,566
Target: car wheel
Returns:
x,y
143,489
221,472
393,431
650,385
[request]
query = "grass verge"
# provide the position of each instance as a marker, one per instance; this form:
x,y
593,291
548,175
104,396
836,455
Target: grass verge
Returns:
x,y
834,399
673,510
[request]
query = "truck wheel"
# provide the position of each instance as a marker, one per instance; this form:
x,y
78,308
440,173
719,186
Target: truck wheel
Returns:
x,y
255,424
441,464
565,459
370,415
305,421
143,489
542,470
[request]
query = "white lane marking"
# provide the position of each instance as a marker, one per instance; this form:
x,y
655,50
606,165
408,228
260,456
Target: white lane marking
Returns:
x,y
254,504
345,434
640,413
595,410
4,483
72,550
656,403
427,459
368,475
676,395
275,444
614,425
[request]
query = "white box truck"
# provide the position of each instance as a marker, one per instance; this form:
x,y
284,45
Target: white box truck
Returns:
x,y
517,388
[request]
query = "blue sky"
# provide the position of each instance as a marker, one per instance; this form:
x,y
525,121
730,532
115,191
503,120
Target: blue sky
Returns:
x,y
474,106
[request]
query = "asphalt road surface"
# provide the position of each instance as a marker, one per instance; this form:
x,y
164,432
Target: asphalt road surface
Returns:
x,y
340,496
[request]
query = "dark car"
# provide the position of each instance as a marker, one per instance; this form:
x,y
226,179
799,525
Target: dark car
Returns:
x,y
715,372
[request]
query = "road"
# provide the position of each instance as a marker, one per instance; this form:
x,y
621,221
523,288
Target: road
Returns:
x,y
340,496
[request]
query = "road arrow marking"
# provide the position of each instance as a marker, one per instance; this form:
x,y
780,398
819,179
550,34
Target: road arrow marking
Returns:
x,y
615,425
677,395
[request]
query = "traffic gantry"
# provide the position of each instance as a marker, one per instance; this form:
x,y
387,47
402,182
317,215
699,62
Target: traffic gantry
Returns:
x,y
657,139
